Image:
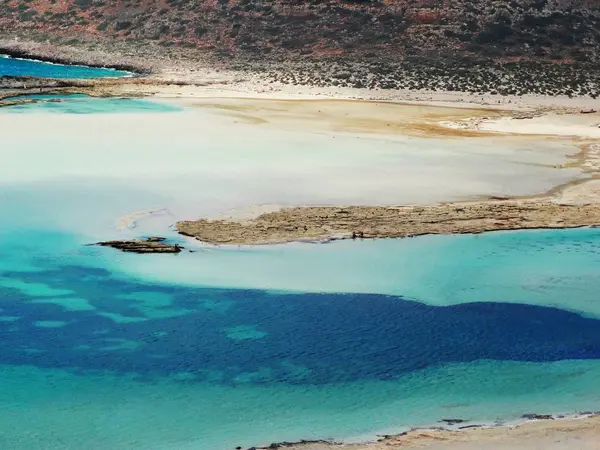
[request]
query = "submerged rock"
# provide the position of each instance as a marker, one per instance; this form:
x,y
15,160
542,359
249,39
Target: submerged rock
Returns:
x,y
453,421
537,417
148,245
303,442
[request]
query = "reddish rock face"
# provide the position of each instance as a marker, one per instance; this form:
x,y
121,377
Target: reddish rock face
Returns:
x,y
545,29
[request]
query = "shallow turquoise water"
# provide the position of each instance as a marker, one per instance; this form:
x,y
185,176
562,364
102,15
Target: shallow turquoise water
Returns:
x,y
25,67
243,346
136,360
82,104
47,97
551,268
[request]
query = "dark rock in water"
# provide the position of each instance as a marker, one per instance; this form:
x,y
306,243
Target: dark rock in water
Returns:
x,y
537,416
149,245
453,421
156,239
278,445
28,83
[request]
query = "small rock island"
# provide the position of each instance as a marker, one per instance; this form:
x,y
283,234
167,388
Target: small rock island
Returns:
x,y
148,245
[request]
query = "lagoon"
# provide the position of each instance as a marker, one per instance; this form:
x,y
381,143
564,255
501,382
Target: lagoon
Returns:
x,y
233,346
138,356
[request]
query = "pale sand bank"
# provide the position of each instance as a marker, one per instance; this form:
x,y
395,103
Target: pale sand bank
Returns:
x,y
130,221
354,117
320,223
209,159
580,125
223,154
560,434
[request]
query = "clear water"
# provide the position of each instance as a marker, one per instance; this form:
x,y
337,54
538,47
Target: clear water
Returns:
x,y
136,361
551,268
82,104
244,346
25,67
47,97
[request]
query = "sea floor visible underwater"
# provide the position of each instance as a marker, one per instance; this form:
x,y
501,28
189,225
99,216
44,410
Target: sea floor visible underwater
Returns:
x,y
240,346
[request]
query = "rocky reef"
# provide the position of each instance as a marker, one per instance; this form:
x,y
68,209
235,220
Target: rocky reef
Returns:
x,y
356,222
148,245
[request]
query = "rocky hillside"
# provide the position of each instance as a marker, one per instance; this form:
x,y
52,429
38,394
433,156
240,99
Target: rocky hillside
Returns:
x,y
558,30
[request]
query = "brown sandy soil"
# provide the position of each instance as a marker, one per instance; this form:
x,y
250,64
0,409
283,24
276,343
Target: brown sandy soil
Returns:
x,y
563,434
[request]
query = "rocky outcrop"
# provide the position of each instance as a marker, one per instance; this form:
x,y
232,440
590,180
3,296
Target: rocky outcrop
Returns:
x,y
149,245
12,82
355,222
534,416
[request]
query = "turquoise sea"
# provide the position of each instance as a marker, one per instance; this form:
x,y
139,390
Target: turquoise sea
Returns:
x,y
235,346
26,67
83,104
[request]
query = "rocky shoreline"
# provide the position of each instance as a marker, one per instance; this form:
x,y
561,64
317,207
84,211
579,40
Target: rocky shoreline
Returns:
x,y
469,75
447,434
170,72
70,56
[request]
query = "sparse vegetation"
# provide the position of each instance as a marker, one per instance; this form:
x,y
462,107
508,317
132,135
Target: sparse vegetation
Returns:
x,y
530,46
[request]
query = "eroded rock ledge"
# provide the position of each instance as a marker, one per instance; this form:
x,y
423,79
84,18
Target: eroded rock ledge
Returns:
x,y
149,245
328,223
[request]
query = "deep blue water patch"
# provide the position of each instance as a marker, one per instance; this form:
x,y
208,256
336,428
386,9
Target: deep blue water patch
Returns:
x,y
228,335
26,67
